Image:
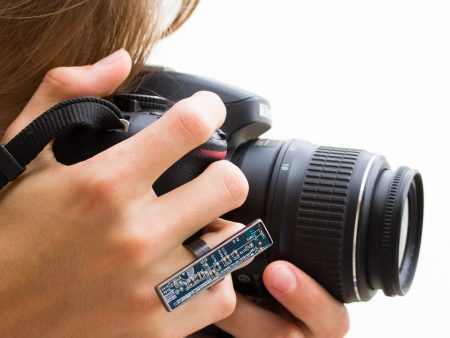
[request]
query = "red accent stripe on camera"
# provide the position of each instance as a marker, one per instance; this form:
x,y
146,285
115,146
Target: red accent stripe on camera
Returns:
x,y
213,153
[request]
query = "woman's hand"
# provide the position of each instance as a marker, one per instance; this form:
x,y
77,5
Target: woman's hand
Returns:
x,y
83,246
306,310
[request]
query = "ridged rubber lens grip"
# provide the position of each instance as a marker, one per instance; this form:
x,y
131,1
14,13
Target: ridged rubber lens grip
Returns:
x,y
322,210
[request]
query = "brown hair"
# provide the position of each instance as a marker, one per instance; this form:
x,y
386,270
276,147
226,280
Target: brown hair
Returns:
x,y
40,35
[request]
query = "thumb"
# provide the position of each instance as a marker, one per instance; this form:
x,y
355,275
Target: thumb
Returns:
x,y
99,79
306,300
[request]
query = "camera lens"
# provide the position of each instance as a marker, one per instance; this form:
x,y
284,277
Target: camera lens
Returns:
x,y
403,233
395,229
341,215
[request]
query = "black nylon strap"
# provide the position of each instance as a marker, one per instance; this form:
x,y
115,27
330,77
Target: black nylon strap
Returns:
x,y
85,111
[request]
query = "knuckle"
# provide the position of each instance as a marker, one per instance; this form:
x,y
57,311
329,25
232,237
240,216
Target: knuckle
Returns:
x,y
338,327
140,303
103,189
191,121
235,227
227,306
235,184
290,331
226,300
220,224
215,102
55,77
132,249
211,96
343,325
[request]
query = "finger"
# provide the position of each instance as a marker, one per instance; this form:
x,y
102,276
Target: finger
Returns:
x,y
146,155
99,79
306,299
207,308
250,320
213,304
181,256
218,225
219,230
219,189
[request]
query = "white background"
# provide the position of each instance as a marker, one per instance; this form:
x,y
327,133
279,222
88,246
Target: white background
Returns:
x,y
364,74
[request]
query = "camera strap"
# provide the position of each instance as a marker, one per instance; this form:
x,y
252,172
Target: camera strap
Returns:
x,y
87,112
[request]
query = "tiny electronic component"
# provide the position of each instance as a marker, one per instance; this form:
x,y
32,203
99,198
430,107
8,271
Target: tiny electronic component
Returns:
x,y
212,267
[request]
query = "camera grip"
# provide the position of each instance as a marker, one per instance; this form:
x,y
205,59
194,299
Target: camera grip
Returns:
x,y
79,144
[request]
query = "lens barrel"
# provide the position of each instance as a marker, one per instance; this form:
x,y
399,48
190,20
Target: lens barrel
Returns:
x,y
339,214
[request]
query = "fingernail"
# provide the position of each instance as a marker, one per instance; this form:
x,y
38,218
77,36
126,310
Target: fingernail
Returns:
x,y
283,279
110,59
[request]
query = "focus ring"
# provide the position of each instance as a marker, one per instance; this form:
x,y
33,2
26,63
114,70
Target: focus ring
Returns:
x,y
388,238
322,210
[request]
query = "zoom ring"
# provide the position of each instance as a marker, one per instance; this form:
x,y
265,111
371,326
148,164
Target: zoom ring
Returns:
x,y
321,216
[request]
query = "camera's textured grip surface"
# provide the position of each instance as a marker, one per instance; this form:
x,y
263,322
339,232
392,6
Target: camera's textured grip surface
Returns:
x,y
321,216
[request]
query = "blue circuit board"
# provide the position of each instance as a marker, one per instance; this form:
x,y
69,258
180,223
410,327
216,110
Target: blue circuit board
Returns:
x,y
211,268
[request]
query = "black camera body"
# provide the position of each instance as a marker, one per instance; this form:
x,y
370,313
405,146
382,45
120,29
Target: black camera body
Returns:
x,y
339,214
248,116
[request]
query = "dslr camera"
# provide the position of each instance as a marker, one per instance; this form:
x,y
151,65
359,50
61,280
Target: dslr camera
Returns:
x,y
341,215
